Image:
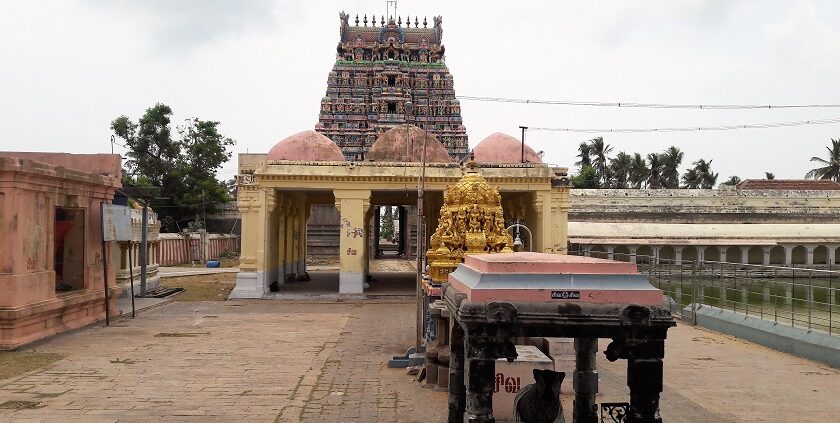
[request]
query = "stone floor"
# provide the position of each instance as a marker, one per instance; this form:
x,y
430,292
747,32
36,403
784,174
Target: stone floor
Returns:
x,y
281,361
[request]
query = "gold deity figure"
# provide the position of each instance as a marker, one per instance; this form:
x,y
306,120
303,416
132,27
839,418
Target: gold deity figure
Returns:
x,y
471,222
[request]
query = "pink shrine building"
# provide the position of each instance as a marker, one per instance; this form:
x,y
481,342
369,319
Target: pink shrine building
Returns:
x,y
51,260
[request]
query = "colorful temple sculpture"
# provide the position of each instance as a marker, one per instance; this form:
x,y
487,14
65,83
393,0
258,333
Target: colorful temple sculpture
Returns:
x,y
389,74
471,222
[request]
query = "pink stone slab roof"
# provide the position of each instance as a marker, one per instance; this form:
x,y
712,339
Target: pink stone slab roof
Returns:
x,y
529,263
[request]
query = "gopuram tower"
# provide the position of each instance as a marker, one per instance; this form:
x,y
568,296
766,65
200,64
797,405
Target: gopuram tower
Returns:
x,y
387,74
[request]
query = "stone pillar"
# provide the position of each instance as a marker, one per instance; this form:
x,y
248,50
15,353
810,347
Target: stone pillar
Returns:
x,y
832,249
809,256
585,381
656,249
644,378
701,252
788,254
766,257
632,249
352,206
678,254
304,217
610,249
479,373
560,216
722,253
457,390
745,254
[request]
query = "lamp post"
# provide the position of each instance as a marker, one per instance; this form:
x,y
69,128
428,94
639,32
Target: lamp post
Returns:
x,y
523,128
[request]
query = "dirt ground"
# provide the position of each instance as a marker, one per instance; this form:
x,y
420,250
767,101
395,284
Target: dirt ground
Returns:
x,y
202,287
16,363
225,262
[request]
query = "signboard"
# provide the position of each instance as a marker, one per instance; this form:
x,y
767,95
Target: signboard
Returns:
x,y
116,223
565,295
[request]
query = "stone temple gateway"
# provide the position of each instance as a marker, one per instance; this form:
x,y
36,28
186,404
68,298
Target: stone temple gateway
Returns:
x,y
379,69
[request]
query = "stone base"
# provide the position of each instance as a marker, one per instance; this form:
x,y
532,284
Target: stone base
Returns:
x,y
22,325
351,283
248,285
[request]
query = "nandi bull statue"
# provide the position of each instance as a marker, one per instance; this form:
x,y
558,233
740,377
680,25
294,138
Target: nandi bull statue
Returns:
x,y
540,401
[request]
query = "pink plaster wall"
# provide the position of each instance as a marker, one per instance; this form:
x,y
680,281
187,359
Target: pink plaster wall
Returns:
x,y
91,163
30,308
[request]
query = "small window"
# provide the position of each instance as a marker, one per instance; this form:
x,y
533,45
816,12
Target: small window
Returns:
x,y
69,249
392,107
392,80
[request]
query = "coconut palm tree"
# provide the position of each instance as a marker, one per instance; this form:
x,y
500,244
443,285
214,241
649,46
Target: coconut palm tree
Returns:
x,y
654,179
701,174
733,180
831,170
584,155
619,170
639,171
672,158
599,152
691,179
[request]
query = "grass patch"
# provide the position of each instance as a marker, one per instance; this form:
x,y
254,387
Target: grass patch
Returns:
x,y
214,287
16,363
20,405
180,334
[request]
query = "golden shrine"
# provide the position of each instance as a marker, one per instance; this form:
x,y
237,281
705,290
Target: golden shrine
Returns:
x,y
471,222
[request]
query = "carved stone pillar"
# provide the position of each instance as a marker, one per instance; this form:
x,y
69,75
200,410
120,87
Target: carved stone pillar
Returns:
x,y
457,390
585,381
722,253
765,258
644,378
479,372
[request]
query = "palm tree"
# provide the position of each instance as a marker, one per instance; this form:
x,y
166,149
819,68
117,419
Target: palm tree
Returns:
x,y
671,160
584,155
691,179
702,173
654,179
639,171
599,152
769,175
831,170
619,170
733,180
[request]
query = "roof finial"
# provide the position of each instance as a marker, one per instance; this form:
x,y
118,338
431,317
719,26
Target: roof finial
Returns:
x,y
408,21
416,23
399,21
425,23
357,19
471,165
373,19
383,20
365,20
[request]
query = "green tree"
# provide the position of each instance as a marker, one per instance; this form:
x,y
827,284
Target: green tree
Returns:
x,y
733,180
700,176
655,166
599,151
620,170
183,169
584,151
386,228
671,159
586,178
831,170
639,171
769,175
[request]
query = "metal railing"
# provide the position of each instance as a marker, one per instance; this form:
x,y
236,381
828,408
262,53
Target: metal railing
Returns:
x,y
799,297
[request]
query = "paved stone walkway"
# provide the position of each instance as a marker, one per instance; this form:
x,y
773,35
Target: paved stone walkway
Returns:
x,y
267,361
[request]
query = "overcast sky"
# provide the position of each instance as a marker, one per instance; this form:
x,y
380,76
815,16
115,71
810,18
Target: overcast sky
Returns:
x,y
67,68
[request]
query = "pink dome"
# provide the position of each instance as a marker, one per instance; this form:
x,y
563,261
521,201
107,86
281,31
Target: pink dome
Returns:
x,y
503,148
393,145
306,146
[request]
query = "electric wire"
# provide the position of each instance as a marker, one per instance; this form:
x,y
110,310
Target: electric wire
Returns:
x,y
646,105
692,128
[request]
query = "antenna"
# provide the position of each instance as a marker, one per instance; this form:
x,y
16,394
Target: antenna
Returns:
x,y
389,12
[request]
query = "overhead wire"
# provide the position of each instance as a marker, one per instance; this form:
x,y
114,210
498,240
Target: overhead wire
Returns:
x,y
693,128
646,105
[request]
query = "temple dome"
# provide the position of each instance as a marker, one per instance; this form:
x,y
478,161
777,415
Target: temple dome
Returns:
x,y
391,146
503,148
306,146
